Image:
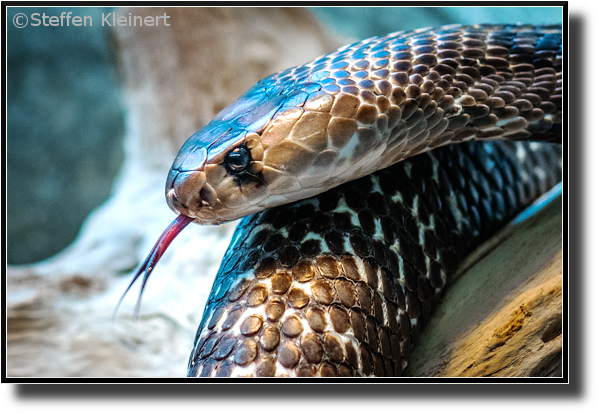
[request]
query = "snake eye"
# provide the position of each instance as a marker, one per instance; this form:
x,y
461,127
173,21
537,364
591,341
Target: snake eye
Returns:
x,y
237,160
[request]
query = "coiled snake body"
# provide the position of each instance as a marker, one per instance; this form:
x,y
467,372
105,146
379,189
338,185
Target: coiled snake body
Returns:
x,y
340,283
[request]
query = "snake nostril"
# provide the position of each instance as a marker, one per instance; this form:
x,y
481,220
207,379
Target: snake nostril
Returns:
x,y
204,197
203,201
208,195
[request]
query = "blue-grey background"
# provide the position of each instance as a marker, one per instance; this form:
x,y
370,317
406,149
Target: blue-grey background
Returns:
x,y
65,120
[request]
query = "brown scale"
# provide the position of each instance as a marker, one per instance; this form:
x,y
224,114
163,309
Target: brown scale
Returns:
x,y
490,82
354,304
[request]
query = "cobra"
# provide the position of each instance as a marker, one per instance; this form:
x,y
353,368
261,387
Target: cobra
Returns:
x,y
360,109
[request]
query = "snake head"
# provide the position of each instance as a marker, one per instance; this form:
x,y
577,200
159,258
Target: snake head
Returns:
x,y
215,174
242,162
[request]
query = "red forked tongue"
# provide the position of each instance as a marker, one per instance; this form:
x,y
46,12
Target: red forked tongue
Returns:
x,y
155,254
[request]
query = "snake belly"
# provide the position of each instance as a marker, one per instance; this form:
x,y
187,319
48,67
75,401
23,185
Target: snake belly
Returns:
x,y
340,283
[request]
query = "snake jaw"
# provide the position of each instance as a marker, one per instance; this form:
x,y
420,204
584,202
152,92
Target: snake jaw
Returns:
x,y
153,257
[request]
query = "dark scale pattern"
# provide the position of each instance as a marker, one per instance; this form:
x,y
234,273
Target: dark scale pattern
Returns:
x,y
354,302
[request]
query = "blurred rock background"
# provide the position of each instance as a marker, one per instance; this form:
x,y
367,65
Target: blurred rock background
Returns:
x,y
66,120
65,128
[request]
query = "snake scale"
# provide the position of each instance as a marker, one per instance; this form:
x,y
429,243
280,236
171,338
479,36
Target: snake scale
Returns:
x,y
340,282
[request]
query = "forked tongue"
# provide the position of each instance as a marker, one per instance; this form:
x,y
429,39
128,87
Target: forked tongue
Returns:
x,y
155,254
